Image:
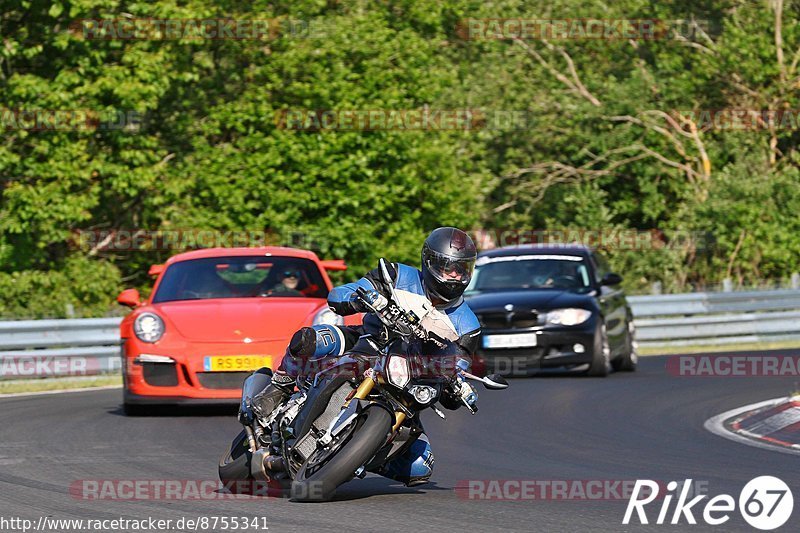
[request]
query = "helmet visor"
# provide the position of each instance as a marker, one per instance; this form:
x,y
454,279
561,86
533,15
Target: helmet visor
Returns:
x,y
448,269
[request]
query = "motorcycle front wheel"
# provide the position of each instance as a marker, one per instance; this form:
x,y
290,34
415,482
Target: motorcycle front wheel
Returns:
x,y
324,471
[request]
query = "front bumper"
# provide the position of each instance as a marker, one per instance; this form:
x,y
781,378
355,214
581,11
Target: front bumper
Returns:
x,y
187,379
555,348
136,399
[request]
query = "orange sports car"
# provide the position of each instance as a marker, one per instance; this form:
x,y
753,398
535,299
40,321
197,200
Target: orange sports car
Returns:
x,y
216,315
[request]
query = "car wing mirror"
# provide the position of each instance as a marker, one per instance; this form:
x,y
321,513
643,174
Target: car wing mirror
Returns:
x,y
129,298
334,264
611,279
156,270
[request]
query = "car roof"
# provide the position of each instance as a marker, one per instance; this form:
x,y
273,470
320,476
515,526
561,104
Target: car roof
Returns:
x,y
539,249
243,252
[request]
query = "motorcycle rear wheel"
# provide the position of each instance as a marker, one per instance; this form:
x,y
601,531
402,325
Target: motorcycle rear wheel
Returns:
x,y
234,465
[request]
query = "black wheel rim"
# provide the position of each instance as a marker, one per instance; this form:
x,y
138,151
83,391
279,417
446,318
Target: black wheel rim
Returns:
x,y
320,457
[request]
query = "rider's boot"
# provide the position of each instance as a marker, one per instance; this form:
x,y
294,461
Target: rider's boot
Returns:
x,y
414,466
302,346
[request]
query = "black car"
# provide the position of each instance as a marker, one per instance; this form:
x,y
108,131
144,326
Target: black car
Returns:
x,y
551,307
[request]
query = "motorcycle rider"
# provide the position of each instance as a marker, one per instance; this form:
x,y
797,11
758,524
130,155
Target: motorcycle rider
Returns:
x,y
448,259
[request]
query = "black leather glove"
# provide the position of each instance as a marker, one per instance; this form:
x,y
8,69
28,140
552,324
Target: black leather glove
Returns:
x,y
452,398
375,301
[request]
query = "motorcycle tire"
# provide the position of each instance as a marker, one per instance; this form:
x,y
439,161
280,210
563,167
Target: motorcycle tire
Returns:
x,y
367,438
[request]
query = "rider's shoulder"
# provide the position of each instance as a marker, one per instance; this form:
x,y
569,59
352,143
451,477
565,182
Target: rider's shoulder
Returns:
x,y
406,269
407,274
465,318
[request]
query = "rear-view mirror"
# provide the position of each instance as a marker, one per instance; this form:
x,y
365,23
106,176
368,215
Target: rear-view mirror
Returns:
x,y
495,382
334,264
129,298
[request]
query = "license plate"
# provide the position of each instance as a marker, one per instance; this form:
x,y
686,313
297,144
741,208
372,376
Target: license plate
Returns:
x,y
235,363
515,340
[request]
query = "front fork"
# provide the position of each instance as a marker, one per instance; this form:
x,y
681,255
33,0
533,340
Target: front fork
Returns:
x,y
251,439
363,391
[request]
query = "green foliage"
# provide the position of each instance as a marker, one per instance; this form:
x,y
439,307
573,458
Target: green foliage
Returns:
x,y
613,151
208,151
80,289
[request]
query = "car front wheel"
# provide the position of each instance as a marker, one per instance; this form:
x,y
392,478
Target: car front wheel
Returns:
x,y
601,354
629,359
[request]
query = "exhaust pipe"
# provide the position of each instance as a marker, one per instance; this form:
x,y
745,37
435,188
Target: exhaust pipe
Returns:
x,y
274,463
263,465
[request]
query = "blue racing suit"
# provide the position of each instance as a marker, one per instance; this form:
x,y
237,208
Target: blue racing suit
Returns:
x,y
416,464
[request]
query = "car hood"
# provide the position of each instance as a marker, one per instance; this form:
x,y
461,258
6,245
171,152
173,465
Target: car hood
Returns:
x,y
531,299
232,320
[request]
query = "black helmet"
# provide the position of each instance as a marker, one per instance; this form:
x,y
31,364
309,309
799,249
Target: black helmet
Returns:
x,y
448,257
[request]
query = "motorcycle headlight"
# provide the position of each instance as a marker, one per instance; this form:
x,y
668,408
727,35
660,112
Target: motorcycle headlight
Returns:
x,y
568,317
148,327
327,316
398,371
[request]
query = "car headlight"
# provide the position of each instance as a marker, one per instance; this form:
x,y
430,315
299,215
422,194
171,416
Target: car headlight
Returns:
x,y
148,327
568,317
398,371
327,316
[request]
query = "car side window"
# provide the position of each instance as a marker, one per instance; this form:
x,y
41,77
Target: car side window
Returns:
x,y
601,266
584,273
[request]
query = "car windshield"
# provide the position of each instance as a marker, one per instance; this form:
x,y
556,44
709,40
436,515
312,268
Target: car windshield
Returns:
x,y
241,277
561,272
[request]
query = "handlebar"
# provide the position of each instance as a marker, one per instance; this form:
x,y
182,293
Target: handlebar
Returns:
x,y
394,317
465,391
407,325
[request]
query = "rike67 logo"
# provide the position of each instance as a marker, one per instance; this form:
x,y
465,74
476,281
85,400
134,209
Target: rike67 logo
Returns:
x,y
765,503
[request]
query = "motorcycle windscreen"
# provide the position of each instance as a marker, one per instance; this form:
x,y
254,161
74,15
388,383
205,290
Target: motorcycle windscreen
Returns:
x,y
430,361
431,319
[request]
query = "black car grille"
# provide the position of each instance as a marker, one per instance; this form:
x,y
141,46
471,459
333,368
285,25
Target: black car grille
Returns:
x,y
509,320
160,374
222,380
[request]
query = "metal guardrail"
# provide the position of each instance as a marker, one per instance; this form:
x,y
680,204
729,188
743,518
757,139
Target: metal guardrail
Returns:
x,y
36,348
717,318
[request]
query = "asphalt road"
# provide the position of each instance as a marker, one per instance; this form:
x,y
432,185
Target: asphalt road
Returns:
x,y
648,424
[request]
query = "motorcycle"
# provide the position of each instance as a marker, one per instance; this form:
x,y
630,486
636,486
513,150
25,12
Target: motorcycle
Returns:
x,y
357,412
